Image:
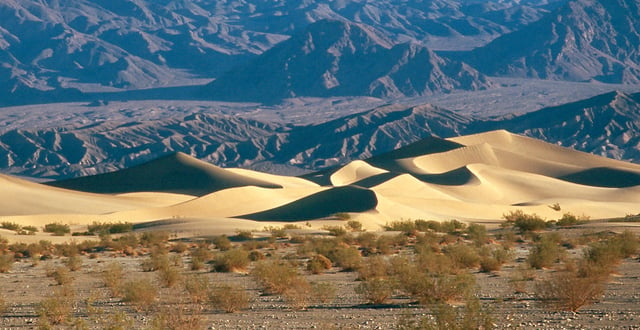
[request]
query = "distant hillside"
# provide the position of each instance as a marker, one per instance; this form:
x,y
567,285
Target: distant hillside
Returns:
x,y
337,58
583,40
50,48
606,125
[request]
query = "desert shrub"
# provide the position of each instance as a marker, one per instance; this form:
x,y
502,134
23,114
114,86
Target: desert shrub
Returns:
x,y
176,319
472,315
545,252
256,255
477,233
222,243
464,256
169,276
567,290
244,234
492,258
235,260
354,225
109,228
520,278
27,230
140,293
525,222
179,247
197,287
335,230
58,229
73,262
276,232
437,263
374,267
229,298
376,290
298,294
6,262
432,288
112,274
347,258
61,275
275,276
55,309
406,226
569,220
451,226
318,264
10,226
323,292
158,259
153,238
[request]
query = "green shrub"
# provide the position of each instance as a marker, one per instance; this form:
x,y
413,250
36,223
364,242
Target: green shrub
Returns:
x,y
525,222
348,258
58,229
169,276
235,260
335,230
405,226
109,228
275,276
569,220
222,243
464,256
153,238
354,225
545,252
10,226
478,234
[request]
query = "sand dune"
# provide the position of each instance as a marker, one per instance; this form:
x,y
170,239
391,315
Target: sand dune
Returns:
x,y
176,173
473,178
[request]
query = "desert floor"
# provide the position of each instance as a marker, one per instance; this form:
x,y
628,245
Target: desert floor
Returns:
x,y
90,304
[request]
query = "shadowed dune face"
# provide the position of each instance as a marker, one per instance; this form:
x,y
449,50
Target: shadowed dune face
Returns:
x,y
474,178
321,205
176,173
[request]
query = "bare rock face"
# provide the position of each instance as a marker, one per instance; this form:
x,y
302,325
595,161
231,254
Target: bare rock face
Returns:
x,y
337,58
583,40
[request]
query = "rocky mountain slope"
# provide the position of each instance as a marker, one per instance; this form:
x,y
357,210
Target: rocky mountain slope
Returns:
x,y
337,58
48,49
606,125
583,40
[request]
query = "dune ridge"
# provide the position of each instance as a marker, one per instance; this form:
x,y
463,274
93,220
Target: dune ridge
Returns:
x,y
472,178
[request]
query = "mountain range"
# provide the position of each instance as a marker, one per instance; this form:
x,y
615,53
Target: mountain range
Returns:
x,y
607,125
54,51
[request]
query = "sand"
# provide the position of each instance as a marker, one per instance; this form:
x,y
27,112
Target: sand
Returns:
x,y
476,178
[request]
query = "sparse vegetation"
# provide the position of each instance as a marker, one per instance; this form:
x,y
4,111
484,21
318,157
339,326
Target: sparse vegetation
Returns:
x,y
524,222
140,293
58,229
229,298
